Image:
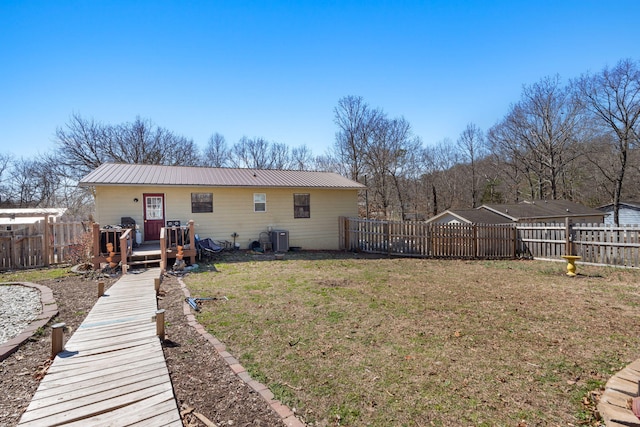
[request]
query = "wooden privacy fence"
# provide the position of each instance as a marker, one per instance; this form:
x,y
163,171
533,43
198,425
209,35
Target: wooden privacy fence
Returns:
x,y
594,243
40,244
418,239
607,244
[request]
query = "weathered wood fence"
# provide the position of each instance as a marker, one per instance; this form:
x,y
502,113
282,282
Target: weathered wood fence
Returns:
x,y
595,243
418,239
40,244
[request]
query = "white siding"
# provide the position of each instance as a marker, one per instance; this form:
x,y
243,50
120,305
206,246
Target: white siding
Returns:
x,y
233,212
628,216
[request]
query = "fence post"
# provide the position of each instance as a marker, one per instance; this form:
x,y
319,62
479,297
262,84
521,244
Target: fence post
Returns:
x,y
46,249
387,225
156,283
56,339
567,237
475,240
160,324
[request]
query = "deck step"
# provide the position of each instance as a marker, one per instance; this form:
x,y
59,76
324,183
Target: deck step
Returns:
x,y
145,261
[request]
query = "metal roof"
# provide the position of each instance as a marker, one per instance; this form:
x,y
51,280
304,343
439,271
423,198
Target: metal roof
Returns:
x,y
137,174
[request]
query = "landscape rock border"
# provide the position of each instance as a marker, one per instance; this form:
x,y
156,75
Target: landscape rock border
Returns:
x,y
287,415
48,312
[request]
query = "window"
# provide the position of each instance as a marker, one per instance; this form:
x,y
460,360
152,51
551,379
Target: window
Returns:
x,y
259,202
302,206
154,209
201,202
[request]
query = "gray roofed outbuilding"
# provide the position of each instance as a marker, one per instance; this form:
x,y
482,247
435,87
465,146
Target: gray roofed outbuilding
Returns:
x,y
137,174
542,209
480,216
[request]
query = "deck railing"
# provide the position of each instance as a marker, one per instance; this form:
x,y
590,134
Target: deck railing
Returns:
x,y
176,243
126,248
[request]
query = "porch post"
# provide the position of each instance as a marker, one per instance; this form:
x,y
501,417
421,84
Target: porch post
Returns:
x,y
192,241
96,245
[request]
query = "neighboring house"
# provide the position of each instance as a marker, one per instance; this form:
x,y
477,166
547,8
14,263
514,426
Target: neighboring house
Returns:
x,y
468,216
628,214
548,211
11,217
224,202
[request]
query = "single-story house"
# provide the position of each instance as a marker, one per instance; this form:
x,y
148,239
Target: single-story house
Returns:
x,y
547,211
628,214
225,203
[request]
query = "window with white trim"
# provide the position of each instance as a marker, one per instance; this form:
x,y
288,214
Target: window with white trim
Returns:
x,y
259,202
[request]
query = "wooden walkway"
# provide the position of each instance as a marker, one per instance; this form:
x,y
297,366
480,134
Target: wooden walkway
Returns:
x,y
112,372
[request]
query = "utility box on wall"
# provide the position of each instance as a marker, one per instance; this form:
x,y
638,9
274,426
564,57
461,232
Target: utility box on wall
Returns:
x,y
280,240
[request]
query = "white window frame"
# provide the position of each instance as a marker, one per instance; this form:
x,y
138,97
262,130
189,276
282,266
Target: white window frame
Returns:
x,y
259,199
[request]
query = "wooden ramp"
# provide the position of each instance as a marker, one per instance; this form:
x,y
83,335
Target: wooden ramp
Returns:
x,y
112,372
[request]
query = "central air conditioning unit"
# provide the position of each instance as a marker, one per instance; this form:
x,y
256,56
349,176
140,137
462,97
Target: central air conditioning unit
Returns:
x,y
280,240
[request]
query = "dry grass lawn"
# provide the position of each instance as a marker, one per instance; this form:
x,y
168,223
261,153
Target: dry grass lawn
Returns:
x,y
356,340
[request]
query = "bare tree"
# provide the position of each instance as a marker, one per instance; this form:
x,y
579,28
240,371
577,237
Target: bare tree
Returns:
x,y
5,162
302,158
390,159
34,182
472,147
357,123
142,142
83,145
251,153
216,154
613,98
279,157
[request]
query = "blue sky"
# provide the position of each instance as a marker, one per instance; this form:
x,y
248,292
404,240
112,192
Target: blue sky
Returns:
x,y
277,69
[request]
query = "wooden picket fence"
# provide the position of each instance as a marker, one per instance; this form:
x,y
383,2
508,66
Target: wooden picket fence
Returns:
x,y
41,244
597,244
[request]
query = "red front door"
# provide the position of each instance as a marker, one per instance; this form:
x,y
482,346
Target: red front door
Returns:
x,y
153,216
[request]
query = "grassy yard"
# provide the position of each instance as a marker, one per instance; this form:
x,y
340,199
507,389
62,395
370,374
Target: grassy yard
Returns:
x,y
355,340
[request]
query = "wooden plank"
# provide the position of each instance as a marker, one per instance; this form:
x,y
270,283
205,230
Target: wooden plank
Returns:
x,y
137,412
80,413
68,401
78,360
52,388
622,385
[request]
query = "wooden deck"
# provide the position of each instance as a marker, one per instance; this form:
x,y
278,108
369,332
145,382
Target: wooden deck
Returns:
x,y
112,371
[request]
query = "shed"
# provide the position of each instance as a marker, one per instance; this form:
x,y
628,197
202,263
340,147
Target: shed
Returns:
x,y
225,202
